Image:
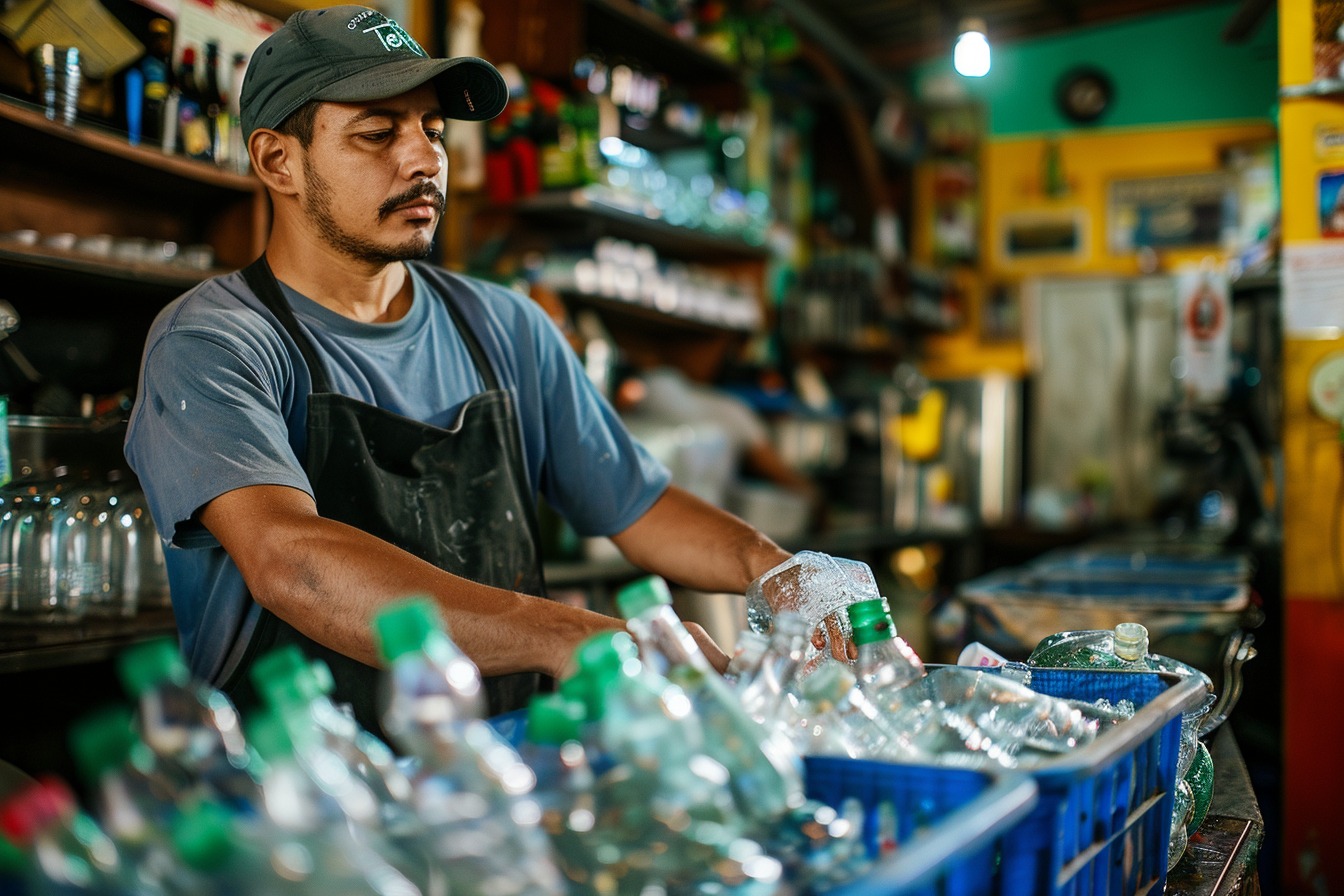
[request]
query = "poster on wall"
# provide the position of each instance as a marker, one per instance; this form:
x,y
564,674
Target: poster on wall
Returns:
x,y
1186,211
1204,342
1330,203
1044,234
1312,299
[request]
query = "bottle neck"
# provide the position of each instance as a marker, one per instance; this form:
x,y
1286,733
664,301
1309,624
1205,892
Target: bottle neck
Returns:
x,y
664,641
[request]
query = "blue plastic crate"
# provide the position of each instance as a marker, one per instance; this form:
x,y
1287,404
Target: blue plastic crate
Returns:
x,y
1102,817
948,823
1102,824
1113,563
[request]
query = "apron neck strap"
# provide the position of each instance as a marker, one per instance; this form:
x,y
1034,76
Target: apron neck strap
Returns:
x,y
262,280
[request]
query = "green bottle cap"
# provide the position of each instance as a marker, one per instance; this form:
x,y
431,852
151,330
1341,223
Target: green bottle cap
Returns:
x,y
142,667
285,676
202,835
872,629
867,609
404,626
12,858
267,734
553,719
102,740
640,596
605,650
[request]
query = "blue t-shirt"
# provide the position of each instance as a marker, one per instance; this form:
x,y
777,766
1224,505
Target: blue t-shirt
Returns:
x,y
222,404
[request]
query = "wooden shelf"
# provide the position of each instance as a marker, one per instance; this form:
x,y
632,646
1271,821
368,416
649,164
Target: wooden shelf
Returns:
x,y
1326,88
27,132
622,27
654,316
575,207
70,264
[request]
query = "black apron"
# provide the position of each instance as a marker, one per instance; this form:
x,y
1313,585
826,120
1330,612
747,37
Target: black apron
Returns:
x,y
458,498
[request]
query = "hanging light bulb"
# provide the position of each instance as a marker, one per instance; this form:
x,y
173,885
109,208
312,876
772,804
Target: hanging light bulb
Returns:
x,y
971,54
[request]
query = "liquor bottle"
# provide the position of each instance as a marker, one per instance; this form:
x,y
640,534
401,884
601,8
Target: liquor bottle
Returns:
x,y
214,106
473,790
193,127
157,70
766,773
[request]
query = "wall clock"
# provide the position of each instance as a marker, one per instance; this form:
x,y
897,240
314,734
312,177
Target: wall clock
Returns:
x,y
1083,94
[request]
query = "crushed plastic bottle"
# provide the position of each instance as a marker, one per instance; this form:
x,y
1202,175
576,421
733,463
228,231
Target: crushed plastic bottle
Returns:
x,y
819,587
472,791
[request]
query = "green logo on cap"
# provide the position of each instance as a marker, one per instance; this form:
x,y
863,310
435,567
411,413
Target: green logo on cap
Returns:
x,y
391,35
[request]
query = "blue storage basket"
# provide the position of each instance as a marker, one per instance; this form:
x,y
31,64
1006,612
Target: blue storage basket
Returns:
x,y
1102,824
948,823
1102,817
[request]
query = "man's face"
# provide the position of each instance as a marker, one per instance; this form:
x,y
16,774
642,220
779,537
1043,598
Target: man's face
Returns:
x,y
375,176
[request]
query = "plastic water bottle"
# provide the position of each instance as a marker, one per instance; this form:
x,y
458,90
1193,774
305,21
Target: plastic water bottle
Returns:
x,y
765,696
298,841
56,849
840,720
765,771
671,801
192,729
299,691
473,792
746,659
1126,647
571,813
125,801
816,585
885,662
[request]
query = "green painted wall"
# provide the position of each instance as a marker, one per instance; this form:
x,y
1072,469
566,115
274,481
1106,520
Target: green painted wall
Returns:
x,y
1166,68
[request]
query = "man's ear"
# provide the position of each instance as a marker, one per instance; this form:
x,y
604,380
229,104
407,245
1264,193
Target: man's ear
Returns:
x,y
274,160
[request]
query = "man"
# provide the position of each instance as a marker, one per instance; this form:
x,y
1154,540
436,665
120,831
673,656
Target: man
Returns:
x,y
339,426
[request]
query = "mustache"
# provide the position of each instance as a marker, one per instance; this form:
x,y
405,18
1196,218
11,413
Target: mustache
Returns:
x,y
426,189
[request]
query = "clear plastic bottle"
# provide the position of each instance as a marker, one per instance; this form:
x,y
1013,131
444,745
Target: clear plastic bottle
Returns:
x,y
192,729
473,791
670,799
61,850
842,721
125,799
765,771
298,841
885,662
566,791
299,691
768,697
816,585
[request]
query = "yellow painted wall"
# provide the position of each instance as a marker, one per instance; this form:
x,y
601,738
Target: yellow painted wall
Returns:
x,y
1313,612
1012,186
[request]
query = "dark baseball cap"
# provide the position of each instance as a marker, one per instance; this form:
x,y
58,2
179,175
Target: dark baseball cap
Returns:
x,y
352,54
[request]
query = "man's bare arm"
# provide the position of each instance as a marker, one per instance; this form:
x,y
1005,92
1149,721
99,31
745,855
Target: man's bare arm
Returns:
x,y
327,579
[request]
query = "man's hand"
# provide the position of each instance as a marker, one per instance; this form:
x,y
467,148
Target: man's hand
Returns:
x,y
712,651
